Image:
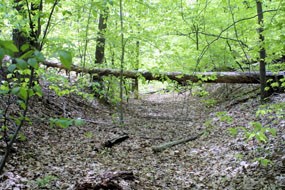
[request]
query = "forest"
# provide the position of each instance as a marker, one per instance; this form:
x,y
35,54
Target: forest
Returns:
x,y
142,94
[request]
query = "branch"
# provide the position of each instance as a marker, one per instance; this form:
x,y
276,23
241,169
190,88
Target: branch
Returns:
x,y
30,17
216,35
48,23
237,37
164,146
220,35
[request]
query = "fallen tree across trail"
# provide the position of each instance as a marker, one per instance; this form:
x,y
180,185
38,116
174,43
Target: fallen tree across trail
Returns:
x,y
181,78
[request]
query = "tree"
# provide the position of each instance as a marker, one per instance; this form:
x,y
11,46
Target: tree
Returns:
x,y
262,52
101,40
31,37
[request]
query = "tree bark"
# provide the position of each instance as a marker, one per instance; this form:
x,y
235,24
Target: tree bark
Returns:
x,y
135,83
262,52
100,48
31,37
100,41
181,78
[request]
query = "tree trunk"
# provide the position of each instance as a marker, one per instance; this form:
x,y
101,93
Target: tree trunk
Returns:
x,y
32,37
100,42
135,83
19,38
262,52
181,78
100,49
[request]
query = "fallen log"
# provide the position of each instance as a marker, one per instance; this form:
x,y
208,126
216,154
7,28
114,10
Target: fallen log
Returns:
x,y
181,78
164,146
110,143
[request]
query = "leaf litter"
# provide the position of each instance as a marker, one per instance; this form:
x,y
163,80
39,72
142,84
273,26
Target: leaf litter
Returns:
x,y
57,158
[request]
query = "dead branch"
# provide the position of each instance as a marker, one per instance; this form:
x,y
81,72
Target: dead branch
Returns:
x,y
110,143
164,146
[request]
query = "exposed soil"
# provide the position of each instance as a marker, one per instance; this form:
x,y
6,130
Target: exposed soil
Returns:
x,y
58,158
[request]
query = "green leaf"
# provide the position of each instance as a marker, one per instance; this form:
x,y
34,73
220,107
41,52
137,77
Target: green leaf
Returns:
x,y
260,136
4,89
38,90
44,182
21,64
4,127
88,134
262,112
39,56
9,45
62,122
33,62
12,67
263,161
25,47
250,135
66,12
23,93
221,113
31,92
65,58
22,104
272,131
79,122
21,137
257,126
27,54
274,84
233,131
2,53
15,90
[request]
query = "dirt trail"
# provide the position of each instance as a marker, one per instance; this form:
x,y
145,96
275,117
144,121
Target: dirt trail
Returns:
x,y
214,161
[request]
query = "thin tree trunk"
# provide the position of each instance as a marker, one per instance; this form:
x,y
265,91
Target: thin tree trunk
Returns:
x,y
122,64
101,40
135,85
86,37
100,49
262,52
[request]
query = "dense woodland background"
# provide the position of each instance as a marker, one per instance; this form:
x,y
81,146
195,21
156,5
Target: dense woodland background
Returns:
x,y
113,52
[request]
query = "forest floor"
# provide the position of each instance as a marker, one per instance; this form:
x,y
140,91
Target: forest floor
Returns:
x,y
65,158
